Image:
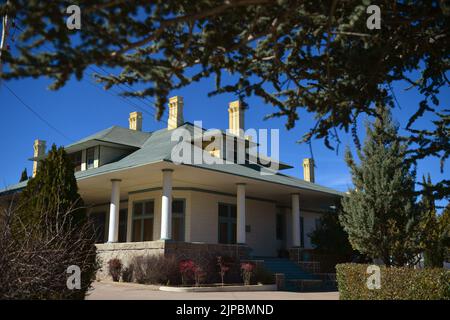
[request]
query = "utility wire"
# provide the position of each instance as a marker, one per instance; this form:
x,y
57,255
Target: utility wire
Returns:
x,y
145,100
117,94
105,73
37,114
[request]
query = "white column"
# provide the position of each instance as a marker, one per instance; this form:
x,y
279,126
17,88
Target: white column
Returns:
x,y
166,205
295,220
113,233
240,225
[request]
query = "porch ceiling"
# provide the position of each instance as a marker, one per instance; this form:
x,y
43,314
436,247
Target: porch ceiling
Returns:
x,y
97,189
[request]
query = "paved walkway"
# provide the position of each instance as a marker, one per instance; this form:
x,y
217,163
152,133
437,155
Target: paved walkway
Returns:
x,y
133,291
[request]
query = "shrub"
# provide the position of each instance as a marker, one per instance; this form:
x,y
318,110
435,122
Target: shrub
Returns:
x,y
156,269
224,267
247,269
199,275
396,283
115,269
44,233
262,275
187,268
127,273
35,266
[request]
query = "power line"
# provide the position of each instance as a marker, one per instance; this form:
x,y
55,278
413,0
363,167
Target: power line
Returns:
x,y
117,94
105,73
36,114
126,99
118,85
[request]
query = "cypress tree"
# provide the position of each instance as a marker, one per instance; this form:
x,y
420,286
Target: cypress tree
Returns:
x,y
52,192
50,232
380,214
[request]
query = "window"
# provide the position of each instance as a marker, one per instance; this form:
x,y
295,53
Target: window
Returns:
x,y
178,213
227,223
302,233
76,160
123,219
90,156
99,221
279,226
143,213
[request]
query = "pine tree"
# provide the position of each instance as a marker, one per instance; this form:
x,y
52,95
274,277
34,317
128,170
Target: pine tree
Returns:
x,y
380,214
51,192
24,175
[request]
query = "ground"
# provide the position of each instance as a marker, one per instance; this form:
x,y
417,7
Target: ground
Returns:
x,y
105,290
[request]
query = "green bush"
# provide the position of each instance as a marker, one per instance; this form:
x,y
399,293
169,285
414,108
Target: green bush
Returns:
x,y
262,275
396,283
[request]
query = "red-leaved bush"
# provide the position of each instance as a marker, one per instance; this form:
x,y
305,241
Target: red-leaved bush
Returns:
x,y
187,270
247,269
224,267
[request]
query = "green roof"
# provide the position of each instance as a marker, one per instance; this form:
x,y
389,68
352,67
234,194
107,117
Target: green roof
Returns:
x,y
157,146
114,135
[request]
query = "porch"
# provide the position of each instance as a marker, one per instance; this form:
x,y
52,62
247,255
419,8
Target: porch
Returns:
x,y
163,207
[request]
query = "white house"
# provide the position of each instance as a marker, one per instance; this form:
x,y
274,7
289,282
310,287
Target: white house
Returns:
x,y
143,202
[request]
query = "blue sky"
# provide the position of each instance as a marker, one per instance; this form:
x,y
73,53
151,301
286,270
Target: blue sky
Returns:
x,y
81,108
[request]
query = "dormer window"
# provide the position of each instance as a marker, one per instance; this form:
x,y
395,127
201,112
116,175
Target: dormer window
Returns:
x,y
90,157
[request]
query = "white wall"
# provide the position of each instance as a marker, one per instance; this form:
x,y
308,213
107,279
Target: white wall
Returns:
x,y
201,219
260,216
156,197
309,225
309,219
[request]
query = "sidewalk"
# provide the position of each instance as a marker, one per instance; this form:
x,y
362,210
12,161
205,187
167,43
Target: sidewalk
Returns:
x,y
133,291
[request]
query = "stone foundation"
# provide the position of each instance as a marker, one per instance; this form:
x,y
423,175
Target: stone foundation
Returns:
x,y
125,252
189,250
182,250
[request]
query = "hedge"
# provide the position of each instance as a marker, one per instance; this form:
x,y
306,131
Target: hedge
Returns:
x,y
396,283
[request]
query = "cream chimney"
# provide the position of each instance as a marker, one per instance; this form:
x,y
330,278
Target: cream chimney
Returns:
x,y
39,151
236,117
175,112
308,169
135,121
